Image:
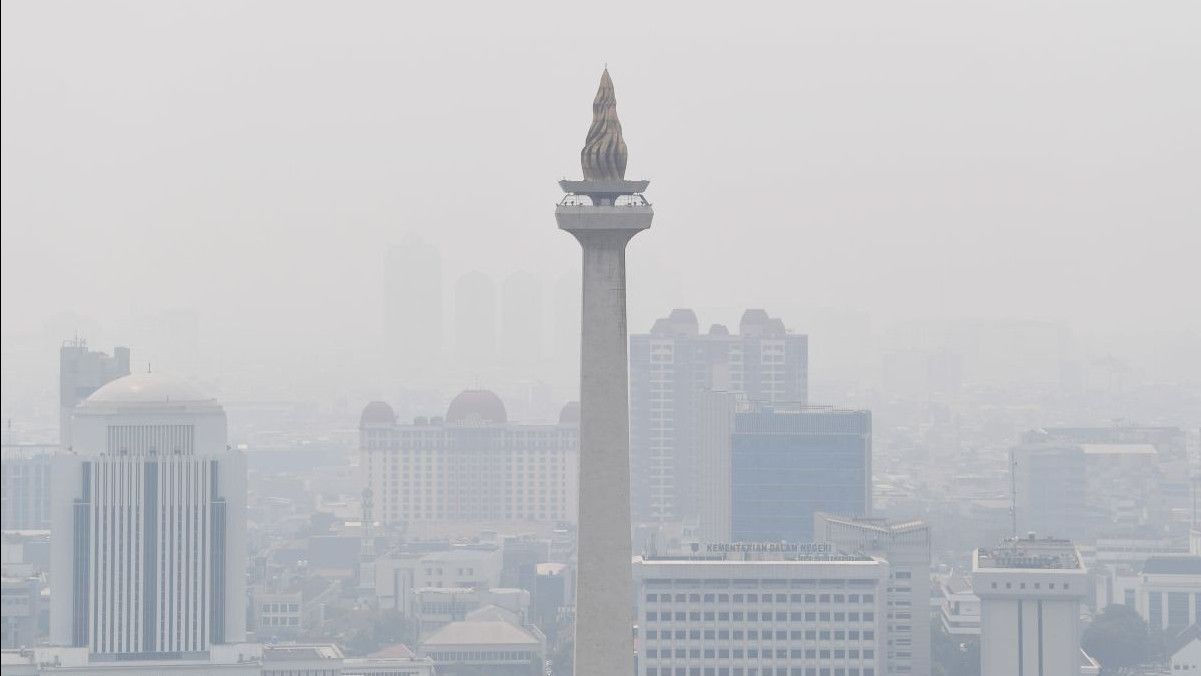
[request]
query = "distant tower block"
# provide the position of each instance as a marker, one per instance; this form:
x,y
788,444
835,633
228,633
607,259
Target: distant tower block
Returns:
x,y
603,212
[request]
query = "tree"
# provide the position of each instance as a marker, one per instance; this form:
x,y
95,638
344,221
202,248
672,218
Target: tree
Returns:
x,y
366,631
1118,638
952,655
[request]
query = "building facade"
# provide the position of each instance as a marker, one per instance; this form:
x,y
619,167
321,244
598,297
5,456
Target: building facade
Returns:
x,y
21,606
787,463
737,613
670,367
1050,489
1168,592
471,466
905,545
149,518
1030,593
80,373
25,475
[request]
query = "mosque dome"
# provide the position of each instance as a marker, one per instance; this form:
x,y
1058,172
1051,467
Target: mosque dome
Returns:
x,y
570,413
377,413
476,406
147,388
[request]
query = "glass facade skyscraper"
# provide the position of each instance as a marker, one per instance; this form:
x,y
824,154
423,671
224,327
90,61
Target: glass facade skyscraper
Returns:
x,y
788,463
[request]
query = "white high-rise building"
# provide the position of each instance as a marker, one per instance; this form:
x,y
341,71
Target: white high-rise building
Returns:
x,y
1030,592
148,516
670,369
725,610
80,373
906,547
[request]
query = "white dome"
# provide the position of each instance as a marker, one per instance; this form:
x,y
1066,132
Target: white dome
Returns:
x,y
147,388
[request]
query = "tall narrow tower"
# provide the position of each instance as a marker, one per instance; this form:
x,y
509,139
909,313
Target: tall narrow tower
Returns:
x,y
603,212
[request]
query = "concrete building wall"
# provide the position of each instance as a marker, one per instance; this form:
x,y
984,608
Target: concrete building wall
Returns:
x,y
669,368
906,548
25,477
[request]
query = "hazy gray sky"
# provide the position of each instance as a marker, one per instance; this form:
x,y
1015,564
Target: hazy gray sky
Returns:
x,y
252,161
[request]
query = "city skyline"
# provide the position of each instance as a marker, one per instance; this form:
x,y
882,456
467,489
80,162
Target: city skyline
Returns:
x,y
299,378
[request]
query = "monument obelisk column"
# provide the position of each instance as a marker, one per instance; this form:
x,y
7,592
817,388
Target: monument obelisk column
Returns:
x,y
603,212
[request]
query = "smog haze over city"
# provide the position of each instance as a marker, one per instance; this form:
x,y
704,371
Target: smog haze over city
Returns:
x,y
916,320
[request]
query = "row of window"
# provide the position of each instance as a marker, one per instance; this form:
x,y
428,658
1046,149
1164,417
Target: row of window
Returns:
x,y
756,616
767,635
766,653
761,598
765,671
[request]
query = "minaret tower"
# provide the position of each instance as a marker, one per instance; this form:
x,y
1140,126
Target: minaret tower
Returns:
x,y
603,212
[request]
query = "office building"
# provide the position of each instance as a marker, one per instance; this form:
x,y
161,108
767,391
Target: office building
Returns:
x,y
80,373
603,212
1030,592
905,545
471,466
1050,489
521,556
1134,476
21,609
148,512
1168,592
787,463
399,574
723,610
413,309
670,367
25,477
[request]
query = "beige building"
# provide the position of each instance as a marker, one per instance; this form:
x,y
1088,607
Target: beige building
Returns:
x,y
471,466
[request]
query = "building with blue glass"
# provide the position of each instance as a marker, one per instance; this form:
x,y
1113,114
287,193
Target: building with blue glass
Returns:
x,y
787,463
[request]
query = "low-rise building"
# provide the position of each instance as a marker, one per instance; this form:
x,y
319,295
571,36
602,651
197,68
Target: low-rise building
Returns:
x,y
490,641
320,659
1168,596
1184,652
21,611
224,659
393,660
436,607
959,607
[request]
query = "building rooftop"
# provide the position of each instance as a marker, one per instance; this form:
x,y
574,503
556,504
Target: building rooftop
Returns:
x,y
1177,643
146,388
722,554
293,652
1173,565
879,525
1118,449
377,413
1030,553
476,406
394,651
484,632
